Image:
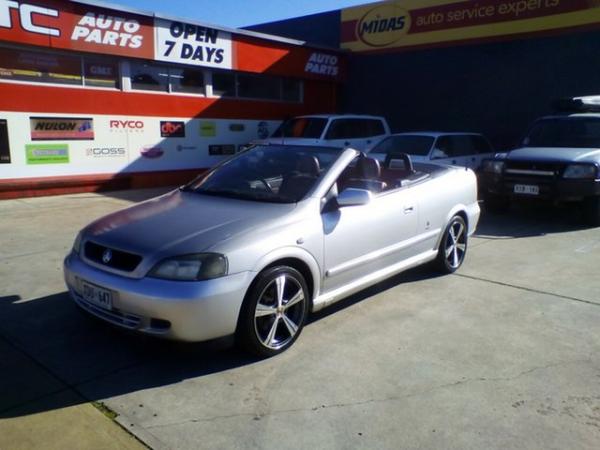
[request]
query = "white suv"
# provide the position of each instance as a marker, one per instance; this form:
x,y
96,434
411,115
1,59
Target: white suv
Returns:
x,y
356,131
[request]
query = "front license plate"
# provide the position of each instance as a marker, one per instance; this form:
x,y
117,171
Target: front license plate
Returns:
x,y
527,189
96,295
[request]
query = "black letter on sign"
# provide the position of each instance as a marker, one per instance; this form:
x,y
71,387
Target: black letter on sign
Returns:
x,y
211,35
170,45
186,51
198,54
176,29
219,57
209,53
189,30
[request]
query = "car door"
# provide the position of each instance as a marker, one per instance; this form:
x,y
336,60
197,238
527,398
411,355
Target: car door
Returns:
x,y
360,240
356,133
454,150
483,149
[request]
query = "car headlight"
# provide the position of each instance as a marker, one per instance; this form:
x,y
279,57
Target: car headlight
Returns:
x,y
493,166
586,171
200,266
77,243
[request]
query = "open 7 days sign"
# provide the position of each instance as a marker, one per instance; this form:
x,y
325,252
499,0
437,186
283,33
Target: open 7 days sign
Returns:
x,y
192,44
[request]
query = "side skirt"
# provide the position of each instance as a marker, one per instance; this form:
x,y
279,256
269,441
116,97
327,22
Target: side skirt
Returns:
x,y
331,297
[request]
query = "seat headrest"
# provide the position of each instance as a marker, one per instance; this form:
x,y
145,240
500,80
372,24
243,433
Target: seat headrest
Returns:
x,y
368,168
308,164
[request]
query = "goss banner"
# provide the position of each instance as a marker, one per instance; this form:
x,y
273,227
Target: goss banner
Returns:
x,y
419,23
75,26
192,44
61,129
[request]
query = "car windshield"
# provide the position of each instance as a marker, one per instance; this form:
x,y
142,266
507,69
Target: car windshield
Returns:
x,y
578,132
413,145
301,127
268,173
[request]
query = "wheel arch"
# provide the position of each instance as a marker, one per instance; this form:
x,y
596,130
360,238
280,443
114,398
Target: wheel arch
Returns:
x,y
458,210
297,258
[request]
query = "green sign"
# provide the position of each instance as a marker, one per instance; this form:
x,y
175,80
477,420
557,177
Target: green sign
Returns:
x,y
208,129
47,153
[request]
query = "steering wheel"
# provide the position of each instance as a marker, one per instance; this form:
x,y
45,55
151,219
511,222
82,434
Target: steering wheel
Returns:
x,y
266,185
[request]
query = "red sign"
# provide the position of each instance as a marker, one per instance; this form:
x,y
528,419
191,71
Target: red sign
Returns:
x,y
76,27
258,56
172,129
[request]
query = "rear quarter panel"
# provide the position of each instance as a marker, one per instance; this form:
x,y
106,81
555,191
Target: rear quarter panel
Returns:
x,y
441,198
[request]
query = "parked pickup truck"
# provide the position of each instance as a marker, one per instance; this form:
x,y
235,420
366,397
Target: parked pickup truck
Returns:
x,y
355,131
558,161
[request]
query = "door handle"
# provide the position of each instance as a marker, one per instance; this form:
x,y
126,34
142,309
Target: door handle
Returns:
x,y
408,209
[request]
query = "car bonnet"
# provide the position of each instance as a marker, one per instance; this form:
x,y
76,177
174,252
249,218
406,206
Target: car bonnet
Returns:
x,y
181,223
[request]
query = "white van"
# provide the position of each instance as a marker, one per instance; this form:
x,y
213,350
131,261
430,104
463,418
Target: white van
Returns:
x,y
356,131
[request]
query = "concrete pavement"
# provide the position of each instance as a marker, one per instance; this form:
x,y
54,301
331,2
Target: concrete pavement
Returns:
x,y
503,354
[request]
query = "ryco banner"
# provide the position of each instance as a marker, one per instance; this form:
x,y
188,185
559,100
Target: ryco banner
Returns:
x,y
425,23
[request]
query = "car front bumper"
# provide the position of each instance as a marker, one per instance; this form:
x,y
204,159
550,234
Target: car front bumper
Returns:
x,y
182,310
549,189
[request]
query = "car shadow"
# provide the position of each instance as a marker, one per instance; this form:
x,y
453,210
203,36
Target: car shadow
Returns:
x,y
73,358
529,220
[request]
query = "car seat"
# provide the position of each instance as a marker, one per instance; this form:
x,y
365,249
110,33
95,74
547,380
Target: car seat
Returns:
x,y
296,184
367,176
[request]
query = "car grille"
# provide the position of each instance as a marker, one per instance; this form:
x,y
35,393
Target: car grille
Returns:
x,y
119,260
114,316
543,174
534,169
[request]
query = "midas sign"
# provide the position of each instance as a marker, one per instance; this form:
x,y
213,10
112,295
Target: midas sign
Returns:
x,y
425,23
383,25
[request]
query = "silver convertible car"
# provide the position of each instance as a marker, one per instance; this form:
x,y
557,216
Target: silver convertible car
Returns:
x,y
254,245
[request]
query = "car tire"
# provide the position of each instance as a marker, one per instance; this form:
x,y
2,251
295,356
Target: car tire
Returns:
x,y
591,211
274,312
453,246
496,203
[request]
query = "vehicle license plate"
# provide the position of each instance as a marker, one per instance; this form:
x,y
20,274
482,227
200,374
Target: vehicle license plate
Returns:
x,y
527,189
97,295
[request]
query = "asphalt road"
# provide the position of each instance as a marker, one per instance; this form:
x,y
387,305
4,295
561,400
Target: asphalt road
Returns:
x,y
503,354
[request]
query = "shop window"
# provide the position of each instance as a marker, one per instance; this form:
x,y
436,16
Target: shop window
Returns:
x,y
149,77
259,87
39,67
100,73
224,84
291,90
190,81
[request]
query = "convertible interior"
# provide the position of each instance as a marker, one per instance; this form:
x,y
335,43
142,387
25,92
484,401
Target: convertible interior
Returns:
x,y
364,173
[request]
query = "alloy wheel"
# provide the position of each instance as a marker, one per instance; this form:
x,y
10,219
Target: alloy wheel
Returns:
x,y
456,244
279,312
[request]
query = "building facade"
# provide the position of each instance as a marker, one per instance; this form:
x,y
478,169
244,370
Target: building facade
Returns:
x,y
97,98
489,66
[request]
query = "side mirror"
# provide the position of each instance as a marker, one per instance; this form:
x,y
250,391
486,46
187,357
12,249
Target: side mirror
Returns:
x,y
354,197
